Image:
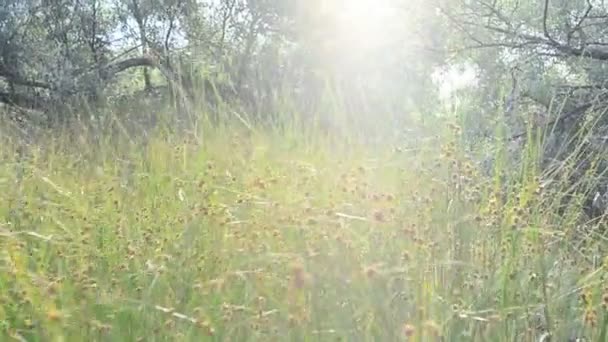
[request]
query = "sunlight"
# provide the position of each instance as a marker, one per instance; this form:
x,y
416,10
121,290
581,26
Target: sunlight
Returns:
x,y
269,170
452,78
365,23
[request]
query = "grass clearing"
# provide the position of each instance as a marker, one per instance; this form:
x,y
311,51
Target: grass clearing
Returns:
x,y
256,235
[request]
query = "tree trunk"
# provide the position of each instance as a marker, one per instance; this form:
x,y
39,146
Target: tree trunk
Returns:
x,y
143,40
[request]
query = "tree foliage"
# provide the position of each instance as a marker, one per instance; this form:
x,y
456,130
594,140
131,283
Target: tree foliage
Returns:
x,y
253,52
542,65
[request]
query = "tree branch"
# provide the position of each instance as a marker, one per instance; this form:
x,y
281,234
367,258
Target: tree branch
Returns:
x,y
18,80
108,71
112,69
588,52
22,101
578,25
545,17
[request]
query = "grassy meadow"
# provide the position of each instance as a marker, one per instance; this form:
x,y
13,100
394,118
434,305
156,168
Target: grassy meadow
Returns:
x,y
257,234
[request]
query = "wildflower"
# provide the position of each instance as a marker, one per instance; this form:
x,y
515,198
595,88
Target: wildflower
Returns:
x,y
408,330
370,272
206,326
591,317
432,328
379,216
585,298
28,323
54,315
292,320
169,324
299,276
261,301
259,183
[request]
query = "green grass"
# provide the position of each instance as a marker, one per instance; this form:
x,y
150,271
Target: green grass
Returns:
x,y
273,236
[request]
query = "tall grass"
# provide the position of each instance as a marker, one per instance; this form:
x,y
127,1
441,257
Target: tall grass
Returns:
x,y
239,233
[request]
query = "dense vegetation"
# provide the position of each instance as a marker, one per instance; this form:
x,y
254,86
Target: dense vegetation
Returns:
x,y
303,170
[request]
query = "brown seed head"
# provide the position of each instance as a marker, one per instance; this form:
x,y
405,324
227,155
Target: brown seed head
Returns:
x,y
299,276
379,216
54,315
408,330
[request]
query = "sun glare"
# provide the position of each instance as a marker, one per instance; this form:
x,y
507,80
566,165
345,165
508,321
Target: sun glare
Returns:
x,y
365,22
357,31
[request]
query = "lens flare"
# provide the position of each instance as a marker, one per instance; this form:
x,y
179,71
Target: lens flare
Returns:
x,y
365,23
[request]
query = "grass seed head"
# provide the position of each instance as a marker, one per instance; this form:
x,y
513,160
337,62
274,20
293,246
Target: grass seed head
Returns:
x,y
54,315
432,328
408,330
299,277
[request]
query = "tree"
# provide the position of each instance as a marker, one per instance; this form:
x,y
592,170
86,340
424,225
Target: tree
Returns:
x,y
549,57
556,48
249,53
